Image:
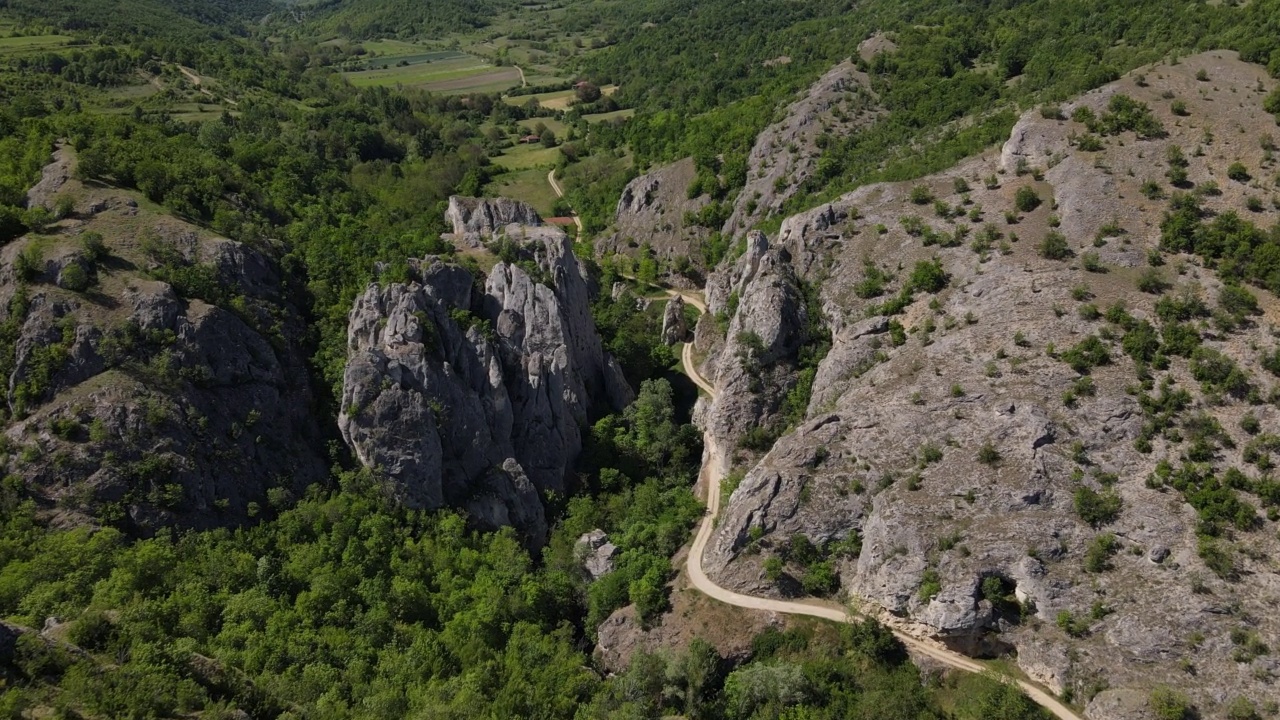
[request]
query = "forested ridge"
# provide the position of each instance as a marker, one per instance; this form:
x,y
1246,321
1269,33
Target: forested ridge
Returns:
x,y
338,603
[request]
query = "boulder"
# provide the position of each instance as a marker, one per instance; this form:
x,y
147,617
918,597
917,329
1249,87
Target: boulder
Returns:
x,y
596,553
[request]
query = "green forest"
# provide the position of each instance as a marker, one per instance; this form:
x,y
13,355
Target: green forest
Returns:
x,y
340,604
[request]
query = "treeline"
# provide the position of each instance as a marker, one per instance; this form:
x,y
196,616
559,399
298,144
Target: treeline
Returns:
x,y
374,19
117,21
342,607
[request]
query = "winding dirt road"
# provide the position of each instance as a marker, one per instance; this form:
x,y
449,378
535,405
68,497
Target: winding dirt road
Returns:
x,y
713,469
551,178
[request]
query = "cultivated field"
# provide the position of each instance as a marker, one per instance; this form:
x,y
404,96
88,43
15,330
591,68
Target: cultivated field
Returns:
x,y
453,72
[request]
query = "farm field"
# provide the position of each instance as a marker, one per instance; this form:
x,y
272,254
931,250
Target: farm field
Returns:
x,y
558,100
32,43
457,74
605,117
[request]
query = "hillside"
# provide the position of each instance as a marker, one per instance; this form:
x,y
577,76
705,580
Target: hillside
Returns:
x,y
897,359
1047,413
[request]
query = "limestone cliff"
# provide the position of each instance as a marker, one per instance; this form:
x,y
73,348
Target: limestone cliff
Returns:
x,y
758,303
475,220
474,397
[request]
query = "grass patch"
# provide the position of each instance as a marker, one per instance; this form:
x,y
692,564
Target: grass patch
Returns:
x,y
528,186
524,157
605,117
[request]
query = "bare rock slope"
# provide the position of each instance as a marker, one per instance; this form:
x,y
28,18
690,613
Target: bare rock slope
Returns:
x,y
1035,432
785,155
473,396
652,212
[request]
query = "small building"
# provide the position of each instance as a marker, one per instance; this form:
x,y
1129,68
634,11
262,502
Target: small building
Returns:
x,y
529,139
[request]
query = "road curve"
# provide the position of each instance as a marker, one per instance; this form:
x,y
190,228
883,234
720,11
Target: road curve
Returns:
x,y
713,469
551,178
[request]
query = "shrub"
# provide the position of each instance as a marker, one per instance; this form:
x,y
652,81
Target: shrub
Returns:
x,y
1086,355
29,264
1096,508
1242,709
37,218
1026,199
1217,371
1126,114
820,580
1237,301
988,454
1238,172
921,195
1152,281
928,276
929,454
1071,625
1097,557
74,277
873,281
1092,263
1170,704
1217,558
1089,143
1179,108
92,246
1055,247
930,585
773,568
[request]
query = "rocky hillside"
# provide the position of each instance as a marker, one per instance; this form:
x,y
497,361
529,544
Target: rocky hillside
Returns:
x,y
654,211
1047,418
786,154
674,211
471,391
154,375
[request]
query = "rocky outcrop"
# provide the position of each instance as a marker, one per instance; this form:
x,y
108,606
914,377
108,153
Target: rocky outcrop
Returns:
x,y
141,403
475,398
651,212
53,178
785,155
675,327
753,365
475,220
596,553
944,445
